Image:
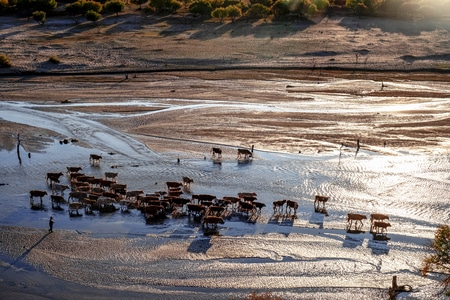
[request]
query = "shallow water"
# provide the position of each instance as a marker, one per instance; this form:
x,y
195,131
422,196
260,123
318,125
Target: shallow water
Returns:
x,y
410,187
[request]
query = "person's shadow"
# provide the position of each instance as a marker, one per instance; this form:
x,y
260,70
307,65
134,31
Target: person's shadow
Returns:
x,y
21,257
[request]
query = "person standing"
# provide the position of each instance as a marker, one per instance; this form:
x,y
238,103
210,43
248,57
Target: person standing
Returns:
x,y
50,224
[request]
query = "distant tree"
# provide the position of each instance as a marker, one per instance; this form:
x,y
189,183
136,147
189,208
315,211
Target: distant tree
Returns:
x,y
227,3
139,2
267,3
75,10
321,4
217,3
281,8
148,10
312,10
39,17
409,9
45,5
299,7
92,5
162,6
258,11
4,6
440,260
4,61
363,7
93,16
340,3
429,11
220,13
27,7
234,12
114,6
201,7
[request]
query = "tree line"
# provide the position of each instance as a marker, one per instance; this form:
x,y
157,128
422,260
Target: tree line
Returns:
x,y
227,9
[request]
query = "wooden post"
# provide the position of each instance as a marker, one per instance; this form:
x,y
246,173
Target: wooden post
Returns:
x,y
18,148
393,290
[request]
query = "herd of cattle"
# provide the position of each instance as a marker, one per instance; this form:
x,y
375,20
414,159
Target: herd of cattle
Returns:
x,y
108,195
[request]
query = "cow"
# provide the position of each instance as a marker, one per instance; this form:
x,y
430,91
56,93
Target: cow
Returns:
x,y
53,178
319,203
244,154
356,220
214,210
187,181
37,193
377,218
74,207
56,199
111,176
259,206
243,195
278,207
118,188
59,188
173,185
212,220
95,159
291,208
77,195
154,212
381,227
195,209
74,169
232,201
133,194
247,207
217,151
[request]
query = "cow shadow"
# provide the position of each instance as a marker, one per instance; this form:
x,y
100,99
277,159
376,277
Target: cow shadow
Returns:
x,y
352,241
199,245
379,247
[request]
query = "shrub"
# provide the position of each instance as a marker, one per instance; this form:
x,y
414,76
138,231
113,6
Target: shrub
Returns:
x,y
4,61
263,296
439,260
54,59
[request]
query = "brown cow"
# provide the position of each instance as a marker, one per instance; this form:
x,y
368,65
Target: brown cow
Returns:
x,y
291,208
59,188
217,151
154,212
37,193
179,202
111,176
356,220
278,207
187,181
247,207
133,194
57,199
245,154
381,227
74,169
195,209
215,210
232,201
377,217
77,195
213,221
319,203
259,206
53,178
173,185
95,159
74,207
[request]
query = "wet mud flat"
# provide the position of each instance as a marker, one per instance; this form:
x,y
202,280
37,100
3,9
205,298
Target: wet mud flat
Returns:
x,y
310,256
